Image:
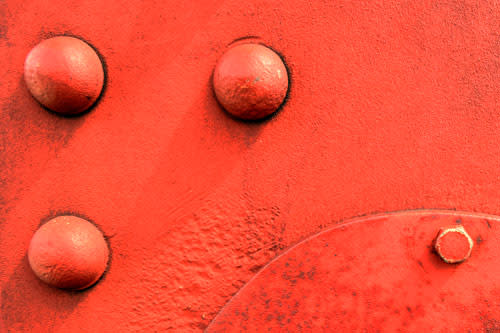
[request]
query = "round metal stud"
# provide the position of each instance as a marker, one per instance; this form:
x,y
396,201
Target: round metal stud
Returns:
x,y
250,81
64,74
68,252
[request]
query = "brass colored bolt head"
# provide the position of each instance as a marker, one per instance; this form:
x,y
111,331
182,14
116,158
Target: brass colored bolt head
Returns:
x,y
453,244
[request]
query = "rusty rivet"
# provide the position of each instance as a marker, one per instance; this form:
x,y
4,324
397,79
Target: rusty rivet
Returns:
x,y
64,74
250,81
68,252
453,244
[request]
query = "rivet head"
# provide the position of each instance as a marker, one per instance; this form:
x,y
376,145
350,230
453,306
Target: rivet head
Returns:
x,y
250,81
64,74
68,252
453,244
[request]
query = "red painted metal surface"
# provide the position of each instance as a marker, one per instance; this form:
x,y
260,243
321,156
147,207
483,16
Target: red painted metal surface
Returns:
x,y
375,274
64,74
392,105
68,252
250,81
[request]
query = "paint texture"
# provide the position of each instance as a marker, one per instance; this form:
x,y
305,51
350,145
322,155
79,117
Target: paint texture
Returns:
x,y
392,105
341,280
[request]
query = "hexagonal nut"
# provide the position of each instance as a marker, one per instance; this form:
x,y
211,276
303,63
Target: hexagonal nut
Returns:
x,y
453,244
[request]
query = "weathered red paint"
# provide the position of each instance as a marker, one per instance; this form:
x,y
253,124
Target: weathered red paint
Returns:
x,y
375,274
250,81
393,105
453,244
64,74
68,252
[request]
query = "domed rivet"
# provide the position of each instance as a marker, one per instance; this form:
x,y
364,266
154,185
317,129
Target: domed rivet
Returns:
x,y
68,252
250,81
64,74
453,244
